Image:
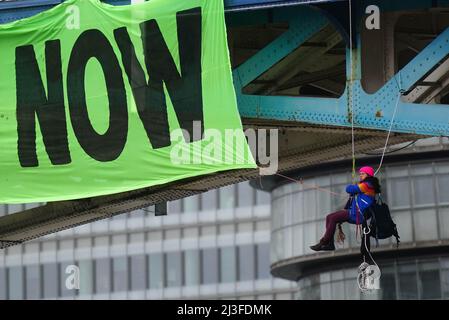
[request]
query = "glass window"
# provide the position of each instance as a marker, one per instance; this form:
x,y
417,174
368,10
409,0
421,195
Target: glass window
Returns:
x,y
337,275
397,171
33,285
243,227
15,283
119,239
138,272
351,289
278,213
425,224
156,270
309,205
174,206
137,237
442,167
263,261
13,208
424,192
101,241
209,200
192,267
297,204
400,192
228,265
120,274
326,291
50,272
443,183
191,204
263,226
310,236
246,262
429,277
245,194
337,203
227,228
3,284
103,275
190,232
155,236
227,197
86,277
338,290
341,178
444,223
445,283
172,234
388,283
174,271
49,246
263,197
422,168
403,222
407,281
312,292
209,266
84,243
298,245
323,203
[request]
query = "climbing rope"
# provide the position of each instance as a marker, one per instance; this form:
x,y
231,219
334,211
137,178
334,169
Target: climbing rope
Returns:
x,y
400,92
350,95
313,186
365,233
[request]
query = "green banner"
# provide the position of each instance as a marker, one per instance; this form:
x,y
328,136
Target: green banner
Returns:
x,y
97,99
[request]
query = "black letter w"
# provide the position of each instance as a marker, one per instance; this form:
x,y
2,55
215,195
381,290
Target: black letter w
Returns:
x,y
185,90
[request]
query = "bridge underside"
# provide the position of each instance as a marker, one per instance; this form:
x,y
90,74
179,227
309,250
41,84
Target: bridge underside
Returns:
x,y
293,71
313,145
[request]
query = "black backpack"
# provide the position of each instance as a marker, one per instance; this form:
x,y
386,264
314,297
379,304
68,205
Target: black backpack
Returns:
x,y
381,225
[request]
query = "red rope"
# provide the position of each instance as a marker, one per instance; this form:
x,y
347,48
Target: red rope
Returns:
x,y
312,186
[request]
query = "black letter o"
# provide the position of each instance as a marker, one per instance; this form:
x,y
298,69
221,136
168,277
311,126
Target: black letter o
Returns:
x,y
107,146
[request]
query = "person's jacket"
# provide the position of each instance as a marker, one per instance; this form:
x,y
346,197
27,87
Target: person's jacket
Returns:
x,y
364,194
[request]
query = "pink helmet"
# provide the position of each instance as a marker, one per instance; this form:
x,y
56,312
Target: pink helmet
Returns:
x,y
368,170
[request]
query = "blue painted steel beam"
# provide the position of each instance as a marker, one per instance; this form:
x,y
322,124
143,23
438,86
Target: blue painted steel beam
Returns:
x,y
373,111
303,24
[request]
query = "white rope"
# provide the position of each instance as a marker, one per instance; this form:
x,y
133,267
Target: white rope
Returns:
x,y
366,246
391,124
351,81
388,135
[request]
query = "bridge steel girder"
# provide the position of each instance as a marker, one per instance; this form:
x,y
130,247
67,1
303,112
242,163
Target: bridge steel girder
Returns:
x,y
373,111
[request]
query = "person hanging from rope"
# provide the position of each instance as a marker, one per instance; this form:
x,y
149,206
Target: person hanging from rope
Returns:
x,y
362,196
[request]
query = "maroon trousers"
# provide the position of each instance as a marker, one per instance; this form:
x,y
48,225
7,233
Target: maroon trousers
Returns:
x,y
331,224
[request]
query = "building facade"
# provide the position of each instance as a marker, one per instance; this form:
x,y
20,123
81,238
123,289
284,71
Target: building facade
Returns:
x,y
210,246
415,185
239,242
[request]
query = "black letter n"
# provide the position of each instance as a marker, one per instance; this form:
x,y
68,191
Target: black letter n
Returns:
x,y
32,101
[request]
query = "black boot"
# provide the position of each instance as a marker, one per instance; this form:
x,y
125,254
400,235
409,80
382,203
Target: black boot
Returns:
x,y
328,246
323,246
